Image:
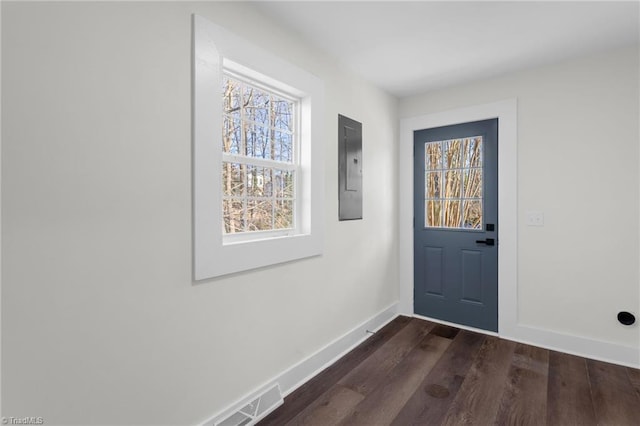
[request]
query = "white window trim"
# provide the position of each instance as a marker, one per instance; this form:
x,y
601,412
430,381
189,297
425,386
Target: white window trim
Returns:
x,y
215,48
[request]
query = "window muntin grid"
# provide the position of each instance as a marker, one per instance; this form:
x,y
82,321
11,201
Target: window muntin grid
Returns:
x,y
453,183
259,157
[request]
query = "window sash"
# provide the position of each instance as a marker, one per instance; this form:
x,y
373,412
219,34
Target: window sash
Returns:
x,y
239,158
259,85
257,161
244,81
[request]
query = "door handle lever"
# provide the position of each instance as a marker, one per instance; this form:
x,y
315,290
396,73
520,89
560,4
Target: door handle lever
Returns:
x,y
488,241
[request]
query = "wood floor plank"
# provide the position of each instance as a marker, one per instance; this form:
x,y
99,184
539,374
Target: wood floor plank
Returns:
x,y
634,376
569,392
614,398
333,406
479,396
370,373
382,405
314,388
430,402
524,400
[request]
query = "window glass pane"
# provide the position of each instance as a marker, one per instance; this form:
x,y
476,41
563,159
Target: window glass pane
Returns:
x,y
231,97
452,213
473,183
432,184
452,154
232,214
283,217
472,152
283,183
432,156
233,179
259,215
258,143
289,184
259,181
283,147
472,218
433,213
256,105
452,184
282,114
231,135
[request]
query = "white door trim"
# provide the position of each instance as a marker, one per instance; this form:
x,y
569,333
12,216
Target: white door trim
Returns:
x,y
506,112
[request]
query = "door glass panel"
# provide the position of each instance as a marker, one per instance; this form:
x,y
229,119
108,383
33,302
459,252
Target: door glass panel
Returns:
x,y
473,183
472,214
433,213
452,213
432,185
433,156
472,152
452,153
453,183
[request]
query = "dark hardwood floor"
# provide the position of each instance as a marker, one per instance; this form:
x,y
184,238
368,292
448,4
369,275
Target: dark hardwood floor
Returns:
x,y
415,372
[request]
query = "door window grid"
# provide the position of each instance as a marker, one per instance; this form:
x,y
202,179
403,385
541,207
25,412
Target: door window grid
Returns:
x,y
259,158
453,183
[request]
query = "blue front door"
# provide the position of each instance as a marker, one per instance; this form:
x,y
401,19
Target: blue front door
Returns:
x,y
456,223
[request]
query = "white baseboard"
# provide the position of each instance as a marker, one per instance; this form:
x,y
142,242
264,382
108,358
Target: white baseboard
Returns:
x,y
628,356
298,374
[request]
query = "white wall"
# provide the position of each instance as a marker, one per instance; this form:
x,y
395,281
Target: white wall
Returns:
x,y
578,136
102,323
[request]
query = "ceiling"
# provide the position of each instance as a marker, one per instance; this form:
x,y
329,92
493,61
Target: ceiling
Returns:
x,y
414,47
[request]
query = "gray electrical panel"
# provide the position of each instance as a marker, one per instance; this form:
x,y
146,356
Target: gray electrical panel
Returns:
x,y
349,168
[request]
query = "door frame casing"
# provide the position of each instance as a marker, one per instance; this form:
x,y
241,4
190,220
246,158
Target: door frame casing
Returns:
x,y
506,112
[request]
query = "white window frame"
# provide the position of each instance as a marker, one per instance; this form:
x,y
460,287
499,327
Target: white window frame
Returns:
x,y
215,48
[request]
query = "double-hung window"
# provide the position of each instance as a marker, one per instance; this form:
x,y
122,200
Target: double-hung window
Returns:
x,y
257,156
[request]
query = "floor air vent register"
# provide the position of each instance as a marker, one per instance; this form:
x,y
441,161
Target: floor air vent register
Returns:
x,y
251,410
